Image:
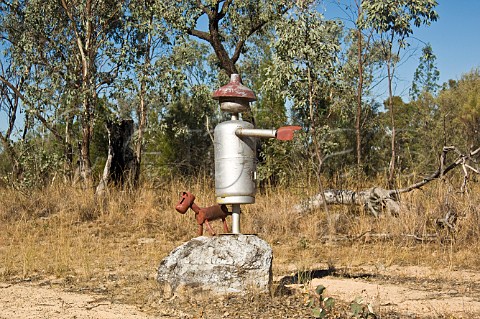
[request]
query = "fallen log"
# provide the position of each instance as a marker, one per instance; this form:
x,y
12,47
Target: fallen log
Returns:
x,y
377,199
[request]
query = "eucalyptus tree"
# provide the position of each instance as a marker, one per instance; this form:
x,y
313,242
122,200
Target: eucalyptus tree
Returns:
x,y
25,68
426,76
229,27
304,71
425,118
362,60
70,51
10,103
10,107
393,23
94,27
229,23
144,76
183,113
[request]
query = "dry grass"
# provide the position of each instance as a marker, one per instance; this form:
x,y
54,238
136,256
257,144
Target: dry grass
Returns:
x,y
63,235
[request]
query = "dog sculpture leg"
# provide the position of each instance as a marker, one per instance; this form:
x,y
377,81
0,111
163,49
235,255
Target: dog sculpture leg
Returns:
x,y
200,230
225,226
210,229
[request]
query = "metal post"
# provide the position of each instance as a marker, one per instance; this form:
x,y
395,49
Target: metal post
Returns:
x,y
236,219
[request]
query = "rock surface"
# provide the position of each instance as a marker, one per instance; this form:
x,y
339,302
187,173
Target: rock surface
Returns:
x,y
217,265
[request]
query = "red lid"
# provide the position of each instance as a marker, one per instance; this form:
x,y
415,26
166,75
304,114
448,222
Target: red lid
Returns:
x,y
235,89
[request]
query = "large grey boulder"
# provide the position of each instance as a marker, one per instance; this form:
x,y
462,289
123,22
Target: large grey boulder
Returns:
x,y
217,265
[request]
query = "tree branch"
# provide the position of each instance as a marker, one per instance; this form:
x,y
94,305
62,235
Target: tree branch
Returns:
x,y
37,114
241,43
210,13
441,170
75,29
224,9
200,34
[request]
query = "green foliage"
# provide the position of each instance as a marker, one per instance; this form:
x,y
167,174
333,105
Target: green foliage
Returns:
x,y
41,161
306,50
180,139
459,111
303,71
321,305
361,310
230,23
396,17
66,53
413,136
426,75
303,68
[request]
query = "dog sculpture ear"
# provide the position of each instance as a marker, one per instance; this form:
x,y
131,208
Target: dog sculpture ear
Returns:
x,y
225,209
186,201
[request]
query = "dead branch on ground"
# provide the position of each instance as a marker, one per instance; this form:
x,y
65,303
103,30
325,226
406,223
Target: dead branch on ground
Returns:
x,y
378,200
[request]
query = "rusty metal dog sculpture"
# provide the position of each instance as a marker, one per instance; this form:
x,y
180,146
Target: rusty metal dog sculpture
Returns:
x,y
203,215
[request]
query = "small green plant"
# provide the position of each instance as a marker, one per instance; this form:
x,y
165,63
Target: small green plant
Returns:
x,y
361,310
320,305
303,243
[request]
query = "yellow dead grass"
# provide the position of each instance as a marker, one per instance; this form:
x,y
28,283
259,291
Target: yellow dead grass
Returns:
x,y
64,232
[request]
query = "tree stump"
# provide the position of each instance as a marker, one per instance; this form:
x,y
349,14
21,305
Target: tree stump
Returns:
x,y
121,166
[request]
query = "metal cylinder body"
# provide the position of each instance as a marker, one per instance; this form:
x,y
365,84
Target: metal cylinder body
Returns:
x,y
234,164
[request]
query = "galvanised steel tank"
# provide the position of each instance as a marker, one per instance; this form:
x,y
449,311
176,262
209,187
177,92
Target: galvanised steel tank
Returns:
x,y
234,163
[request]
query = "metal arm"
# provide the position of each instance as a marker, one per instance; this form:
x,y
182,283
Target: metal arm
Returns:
x,y
284,133
253,132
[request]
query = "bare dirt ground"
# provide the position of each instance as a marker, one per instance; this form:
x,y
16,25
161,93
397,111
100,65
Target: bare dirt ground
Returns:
x,y
33,301
415,292
393,292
